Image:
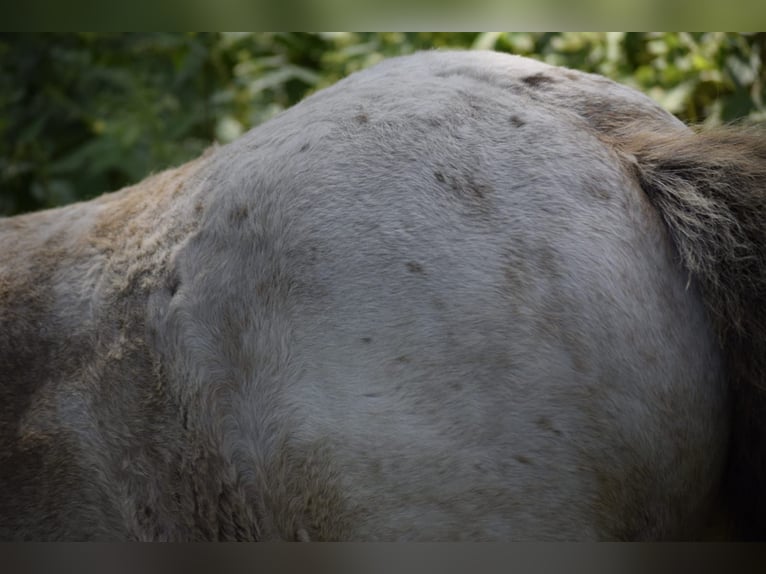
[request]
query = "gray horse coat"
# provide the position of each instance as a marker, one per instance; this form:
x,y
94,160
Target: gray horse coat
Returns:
x,y
456,296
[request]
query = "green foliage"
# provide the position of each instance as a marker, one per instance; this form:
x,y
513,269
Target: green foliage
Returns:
x,y
81,114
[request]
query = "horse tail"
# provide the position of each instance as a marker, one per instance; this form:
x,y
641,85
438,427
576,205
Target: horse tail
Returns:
x,y
710,189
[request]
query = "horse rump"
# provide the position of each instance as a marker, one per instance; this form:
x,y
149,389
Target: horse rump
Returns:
x,y
710,188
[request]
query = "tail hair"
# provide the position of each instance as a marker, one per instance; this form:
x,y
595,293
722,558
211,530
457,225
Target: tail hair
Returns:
x,y
710,189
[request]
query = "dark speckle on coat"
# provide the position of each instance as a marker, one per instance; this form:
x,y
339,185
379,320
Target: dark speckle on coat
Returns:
x,y
239,214
537,80
545,424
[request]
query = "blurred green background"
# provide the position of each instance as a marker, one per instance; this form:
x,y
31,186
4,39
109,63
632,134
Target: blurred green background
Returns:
x,y
81,114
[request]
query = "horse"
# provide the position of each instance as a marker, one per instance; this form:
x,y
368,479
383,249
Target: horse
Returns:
x,y
454,296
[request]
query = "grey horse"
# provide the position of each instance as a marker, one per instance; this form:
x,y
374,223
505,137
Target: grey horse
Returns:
x,y
456,296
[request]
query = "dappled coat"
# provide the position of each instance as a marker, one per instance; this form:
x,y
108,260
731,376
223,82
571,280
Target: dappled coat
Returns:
x,y
455,296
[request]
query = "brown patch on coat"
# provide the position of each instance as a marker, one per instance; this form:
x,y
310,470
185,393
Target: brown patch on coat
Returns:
x,y
623,489
106,252
609,116
297,496
306,491
33,342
